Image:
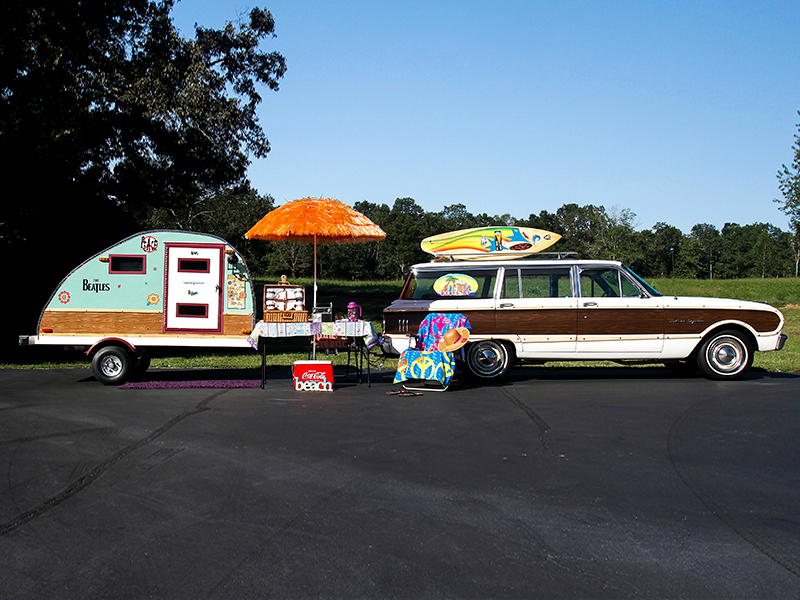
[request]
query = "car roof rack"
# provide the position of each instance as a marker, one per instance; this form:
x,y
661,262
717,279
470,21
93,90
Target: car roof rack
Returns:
x,y
472,257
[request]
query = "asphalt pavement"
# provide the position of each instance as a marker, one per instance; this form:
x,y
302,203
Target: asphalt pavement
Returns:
x,y
560,483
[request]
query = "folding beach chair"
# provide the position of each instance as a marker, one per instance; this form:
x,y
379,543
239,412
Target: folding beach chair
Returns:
x,y
429,363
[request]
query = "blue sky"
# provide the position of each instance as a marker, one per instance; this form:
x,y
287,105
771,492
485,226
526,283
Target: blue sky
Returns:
x,y
681,111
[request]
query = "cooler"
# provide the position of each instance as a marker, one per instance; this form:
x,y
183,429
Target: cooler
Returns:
x,y
312,375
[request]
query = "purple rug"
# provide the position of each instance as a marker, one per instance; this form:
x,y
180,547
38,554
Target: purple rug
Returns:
x,y
166,385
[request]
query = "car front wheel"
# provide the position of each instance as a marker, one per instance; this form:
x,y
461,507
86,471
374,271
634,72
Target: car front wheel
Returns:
x,y
725,355
489,359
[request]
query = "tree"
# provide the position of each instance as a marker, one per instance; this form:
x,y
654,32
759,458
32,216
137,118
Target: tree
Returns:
x,y
228,214
616,234
789,184
703,247
579,226
663,250
121,110
404,232
106,112
455,217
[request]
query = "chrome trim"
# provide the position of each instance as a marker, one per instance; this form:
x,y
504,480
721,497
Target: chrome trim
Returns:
x,y
781,341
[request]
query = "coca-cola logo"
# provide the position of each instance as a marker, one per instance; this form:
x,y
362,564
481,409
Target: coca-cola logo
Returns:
x,y
314,376
301,385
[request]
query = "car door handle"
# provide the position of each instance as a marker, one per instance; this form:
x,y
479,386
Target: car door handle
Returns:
x,y
507,305
589,304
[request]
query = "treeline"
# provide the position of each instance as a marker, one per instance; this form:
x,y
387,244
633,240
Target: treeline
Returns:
x,y
735,251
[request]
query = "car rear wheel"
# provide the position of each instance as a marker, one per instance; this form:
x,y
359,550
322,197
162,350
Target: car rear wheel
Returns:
x,y
725,355
111,365
489,359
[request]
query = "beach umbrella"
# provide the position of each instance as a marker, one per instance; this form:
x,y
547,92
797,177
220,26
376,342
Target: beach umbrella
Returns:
x,y
317,221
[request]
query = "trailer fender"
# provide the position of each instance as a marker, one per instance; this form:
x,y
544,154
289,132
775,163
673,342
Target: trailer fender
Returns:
x,y
111,342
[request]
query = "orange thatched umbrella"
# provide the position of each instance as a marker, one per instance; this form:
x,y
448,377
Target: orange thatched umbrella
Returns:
x,y
317,220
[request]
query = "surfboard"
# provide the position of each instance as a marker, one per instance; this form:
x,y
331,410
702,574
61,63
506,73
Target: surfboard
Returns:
x,y
490,242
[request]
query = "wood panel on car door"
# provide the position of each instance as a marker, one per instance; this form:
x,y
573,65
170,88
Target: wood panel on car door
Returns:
x,y
620,327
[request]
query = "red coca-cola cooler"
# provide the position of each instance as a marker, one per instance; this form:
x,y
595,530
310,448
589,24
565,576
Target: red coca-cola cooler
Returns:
x,y
312,376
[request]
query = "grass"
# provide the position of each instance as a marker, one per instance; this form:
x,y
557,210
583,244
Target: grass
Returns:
x,y
373,296
776,292
788,359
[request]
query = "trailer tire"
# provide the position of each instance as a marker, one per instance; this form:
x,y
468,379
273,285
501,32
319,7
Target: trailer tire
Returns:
x,y
111,365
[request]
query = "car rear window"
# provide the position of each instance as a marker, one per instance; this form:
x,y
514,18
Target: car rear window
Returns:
x,y
439,285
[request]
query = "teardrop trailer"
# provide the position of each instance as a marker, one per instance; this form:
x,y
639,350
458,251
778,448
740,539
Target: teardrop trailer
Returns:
x,y
154,289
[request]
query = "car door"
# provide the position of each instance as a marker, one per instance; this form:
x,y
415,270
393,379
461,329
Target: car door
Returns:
x,y
536,309
616,318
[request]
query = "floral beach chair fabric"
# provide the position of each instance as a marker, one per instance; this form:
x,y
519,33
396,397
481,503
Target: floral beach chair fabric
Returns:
x,y
431,359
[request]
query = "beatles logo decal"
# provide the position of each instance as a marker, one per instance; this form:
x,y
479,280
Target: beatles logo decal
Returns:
x,y
149,243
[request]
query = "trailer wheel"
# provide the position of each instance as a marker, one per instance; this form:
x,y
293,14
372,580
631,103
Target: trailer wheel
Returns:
x,y
111,365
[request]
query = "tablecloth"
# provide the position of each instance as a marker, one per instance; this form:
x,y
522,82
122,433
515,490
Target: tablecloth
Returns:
x,y
361,329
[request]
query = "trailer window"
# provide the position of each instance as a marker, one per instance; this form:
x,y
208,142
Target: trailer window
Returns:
x,y
192,310
119,264
194,265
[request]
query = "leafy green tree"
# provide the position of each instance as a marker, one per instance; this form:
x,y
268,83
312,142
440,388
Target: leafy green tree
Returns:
x,y
579,227
293,259
789,184
544,220
228,214
365,261
404,232
739,253
665,250
702,250
121,110
106,112
455,217
616,234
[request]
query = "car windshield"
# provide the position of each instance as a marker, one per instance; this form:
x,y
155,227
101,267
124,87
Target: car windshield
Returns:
x,y
649,288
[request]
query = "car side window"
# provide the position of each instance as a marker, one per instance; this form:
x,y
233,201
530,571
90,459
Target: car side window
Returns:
x,y
537,283
511,286
606,283
600,283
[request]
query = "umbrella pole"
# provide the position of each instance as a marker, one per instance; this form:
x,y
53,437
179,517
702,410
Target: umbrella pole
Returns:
x,y
314,343
315,270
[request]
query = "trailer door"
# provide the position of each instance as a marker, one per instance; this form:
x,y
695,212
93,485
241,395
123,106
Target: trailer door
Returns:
x,y
193,287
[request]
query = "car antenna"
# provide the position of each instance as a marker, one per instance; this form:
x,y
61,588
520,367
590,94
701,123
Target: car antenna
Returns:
x,y
674,281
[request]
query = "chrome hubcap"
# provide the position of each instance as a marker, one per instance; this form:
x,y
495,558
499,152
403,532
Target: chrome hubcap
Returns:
x,y
111,366
727,355
487,359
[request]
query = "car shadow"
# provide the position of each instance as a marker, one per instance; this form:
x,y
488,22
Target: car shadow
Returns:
x,y
535,373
